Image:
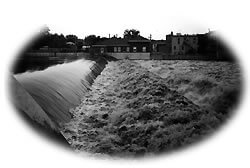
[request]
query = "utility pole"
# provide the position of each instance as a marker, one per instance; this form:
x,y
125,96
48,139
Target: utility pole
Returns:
x,y
150,37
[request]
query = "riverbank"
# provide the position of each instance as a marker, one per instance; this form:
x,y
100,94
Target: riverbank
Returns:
x,y
131,111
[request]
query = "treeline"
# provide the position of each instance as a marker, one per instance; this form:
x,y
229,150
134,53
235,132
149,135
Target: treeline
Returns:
x,y
59,41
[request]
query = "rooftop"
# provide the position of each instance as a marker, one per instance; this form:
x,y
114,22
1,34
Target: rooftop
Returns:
x,y
114,41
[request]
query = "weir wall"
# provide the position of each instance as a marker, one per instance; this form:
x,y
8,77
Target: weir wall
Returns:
x,y
44,113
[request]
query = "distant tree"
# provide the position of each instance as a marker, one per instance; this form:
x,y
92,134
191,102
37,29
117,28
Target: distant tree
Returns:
x,y
50,40
91,39
126,32
57,41
130,33
71,38
79,43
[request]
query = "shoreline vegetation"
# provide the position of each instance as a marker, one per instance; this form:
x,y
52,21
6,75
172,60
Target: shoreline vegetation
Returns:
x,y
132,109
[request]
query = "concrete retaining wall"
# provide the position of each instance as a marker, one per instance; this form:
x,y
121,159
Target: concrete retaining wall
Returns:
x,y
141,56
132,56
158,56
57,54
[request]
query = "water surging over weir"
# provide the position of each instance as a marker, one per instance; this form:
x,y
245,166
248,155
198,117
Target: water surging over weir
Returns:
x,y
55,90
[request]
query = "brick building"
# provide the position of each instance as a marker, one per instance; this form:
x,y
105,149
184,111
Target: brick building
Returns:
x,y
181,44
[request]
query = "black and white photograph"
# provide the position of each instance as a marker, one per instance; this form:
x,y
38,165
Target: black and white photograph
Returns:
x,y
102,83
127,96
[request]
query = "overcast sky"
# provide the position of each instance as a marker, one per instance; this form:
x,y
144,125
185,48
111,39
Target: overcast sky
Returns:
x,y
113,17
157,32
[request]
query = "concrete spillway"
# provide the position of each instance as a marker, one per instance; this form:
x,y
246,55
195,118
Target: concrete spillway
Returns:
x,y
47,95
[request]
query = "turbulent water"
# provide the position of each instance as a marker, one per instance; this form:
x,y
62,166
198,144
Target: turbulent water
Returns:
x,y
148,107
135,107
212,85
58,88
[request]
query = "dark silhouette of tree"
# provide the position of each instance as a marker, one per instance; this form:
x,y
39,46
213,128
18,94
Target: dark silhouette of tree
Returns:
x,y
79,43
131,33
71,38
91,39
57,41
49,40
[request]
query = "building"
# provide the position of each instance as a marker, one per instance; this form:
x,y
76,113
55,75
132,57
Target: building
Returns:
x,y
124,48
159,46
139,47
181,44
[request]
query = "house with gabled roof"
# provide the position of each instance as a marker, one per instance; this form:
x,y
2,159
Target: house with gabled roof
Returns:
x,y
124,48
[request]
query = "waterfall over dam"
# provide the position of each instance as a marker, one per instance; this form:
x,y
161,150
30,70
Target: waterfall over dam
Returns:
x,y
53,91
